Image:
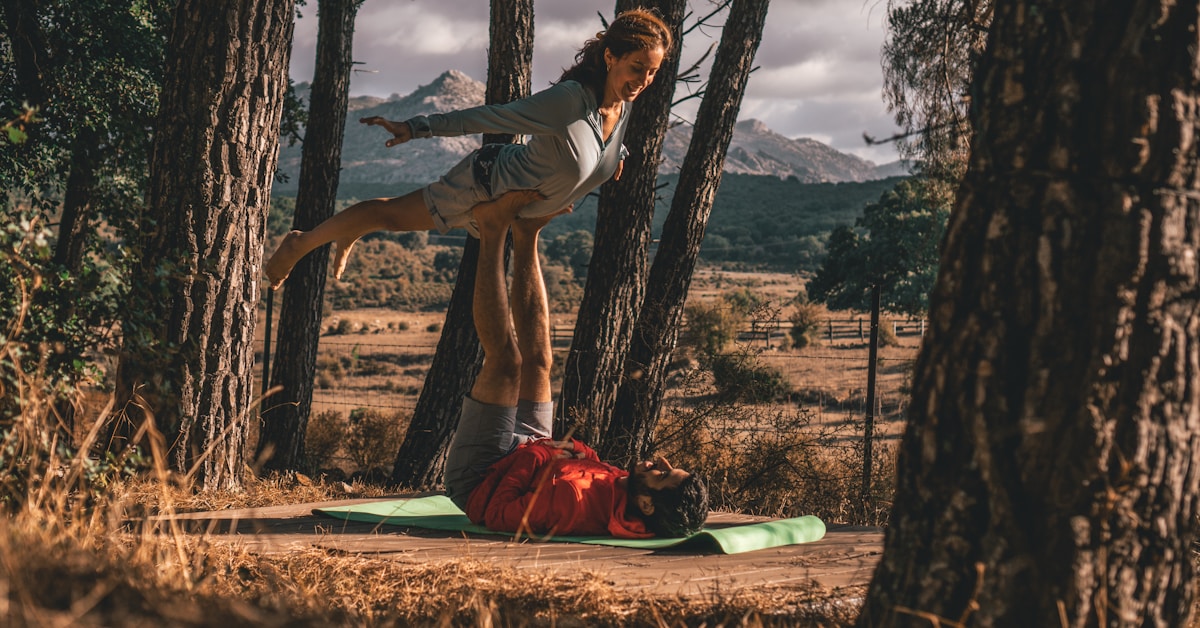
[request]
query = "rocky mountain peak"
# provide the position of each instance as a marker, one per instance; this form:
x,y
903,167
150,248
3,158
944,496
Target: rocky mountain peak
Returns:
x,y
752,126
451,84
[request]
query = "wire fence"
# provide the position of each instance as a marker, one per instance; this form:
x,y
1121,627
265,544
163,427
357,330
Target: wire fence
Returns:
x,y
360,371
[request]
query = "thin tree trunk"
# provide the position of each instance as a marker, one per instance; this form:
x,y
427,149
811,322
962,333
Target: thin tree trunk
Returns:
x,y
617,273
636,411
76,222
28,50
1048,474
285,414
75,226
188,353
458,356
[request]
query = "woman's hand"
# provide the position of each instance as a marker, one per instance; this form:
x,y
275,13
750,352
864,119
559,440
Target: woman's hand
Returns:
x,y
400,131
620,168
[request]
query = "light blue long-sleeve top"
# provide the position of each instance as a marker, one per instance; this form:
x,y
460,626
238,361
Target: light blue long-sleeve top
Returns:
x,y
565,157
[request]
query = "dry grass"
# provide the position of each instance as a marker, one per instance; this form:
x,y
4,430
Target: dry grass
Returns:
x,y
73,553
67,561
82,575
71,556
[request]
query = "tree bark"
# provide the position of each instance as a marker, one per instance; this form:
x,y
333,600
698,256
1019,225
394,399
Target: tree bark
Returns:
x,y
285,414
635,414
617,273
1047,474
422,455
188,354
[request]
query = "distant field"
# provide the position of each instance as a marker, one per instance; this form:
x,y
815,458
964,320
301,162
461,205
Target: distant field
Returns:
x,y
378,358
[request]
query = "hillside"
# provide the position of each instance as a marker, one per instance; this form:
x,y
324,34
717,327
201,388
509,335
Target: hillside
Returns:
x,y
759,221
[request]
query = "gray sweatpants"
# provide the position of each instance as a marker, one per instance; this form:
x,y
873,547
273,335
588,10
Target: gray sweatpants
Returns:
x,y
487,433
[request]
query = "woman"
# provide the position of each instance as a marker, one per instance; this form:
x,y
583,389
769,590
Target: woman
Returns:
x,y
577,127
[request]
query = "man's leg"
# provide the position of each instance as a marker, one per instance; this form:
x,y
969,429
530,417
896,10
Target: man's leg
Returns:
x,y
403,213
531,316
485,428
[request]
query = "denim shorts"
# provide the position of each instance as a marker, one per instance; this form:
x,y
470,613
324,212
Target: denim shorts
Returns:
x,y
469,183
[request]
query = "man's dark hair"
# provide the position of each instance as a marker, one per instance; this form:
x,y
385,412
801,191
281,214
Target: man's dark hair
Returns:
x,y
679,511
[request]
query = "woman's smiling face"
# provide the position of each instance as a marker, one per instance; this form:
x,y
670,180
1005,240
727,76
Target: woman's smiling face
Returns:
x,y
632,73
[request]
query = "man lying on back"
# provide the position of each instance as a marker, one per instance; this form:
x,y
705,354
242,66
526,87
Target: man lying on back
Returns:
x,y
503,469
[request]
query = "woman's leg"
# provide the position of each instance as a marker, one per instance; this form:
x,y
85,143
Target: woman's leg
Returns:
x,y
402,213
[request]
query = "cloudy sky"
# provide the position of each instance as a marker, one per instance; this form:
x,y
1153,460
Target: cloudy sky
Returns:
x,y
819,72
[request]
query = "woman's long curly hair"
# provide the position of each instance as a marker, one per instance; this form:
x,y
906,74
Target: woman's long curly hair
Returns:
x,y
636,29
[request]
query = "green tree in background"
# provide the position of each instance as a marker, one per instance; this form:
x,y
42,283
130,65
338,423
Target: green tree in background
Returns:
x,y
929,57
895,247
573,250
83,77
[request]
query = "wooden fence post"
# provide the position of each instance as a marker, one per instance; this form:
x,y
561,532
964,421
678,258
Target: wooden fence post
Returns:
x,y
869,425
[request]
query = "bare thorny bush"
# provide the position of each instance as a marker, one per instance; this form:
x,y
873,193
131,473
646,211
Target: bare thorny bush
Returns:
x,y
775,459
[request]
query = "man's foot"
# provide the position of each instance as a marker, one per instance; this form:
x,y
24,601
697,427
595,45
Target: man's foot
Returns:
x,y
340,256
284,258
497,215
531,226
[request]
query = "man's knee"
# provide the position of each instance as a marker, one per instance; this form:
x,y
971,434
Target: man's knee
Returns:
x,y
537,364
505,360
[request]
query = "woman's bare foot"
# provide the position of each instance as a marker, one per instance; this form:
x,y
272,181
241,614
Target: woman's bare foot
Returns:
x,y
500,213
284,258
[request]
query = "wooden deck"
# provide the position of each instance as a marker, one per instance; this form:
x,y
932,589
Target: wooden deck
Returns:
x,y
846,556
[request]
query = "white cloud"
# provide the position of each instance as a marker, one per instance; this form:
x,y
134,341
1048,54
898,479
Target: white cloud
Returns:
x,y
418,31
819,70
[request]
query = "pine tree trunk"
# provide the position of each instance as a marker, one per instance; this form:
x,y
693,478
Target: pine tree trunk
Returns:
x,y
188,352
1047,474
422,455
617,273
640,397
285,414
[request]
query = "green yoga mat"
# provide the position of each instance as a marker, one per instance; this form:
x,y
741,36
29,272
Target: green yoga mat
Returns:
x,y
439,513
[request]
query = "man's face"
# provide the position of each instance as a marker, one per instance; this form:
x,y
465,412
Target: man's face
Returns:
x,y
656,475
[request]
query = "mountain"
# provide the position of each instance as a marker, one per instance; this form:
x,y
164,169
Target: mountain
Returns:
x,y
365,158
755,149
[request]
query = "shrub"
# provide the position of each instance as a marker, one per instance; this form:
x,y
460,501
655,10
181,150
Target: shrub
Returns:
x,y
326,431
739,377
373,438
775,461
341,327
433,327
806,324
744,301
887,335
711,327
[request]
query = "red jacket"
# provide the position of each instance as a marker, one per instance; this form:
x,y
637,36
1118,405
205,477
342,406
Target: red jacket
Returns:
x,y
535,490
